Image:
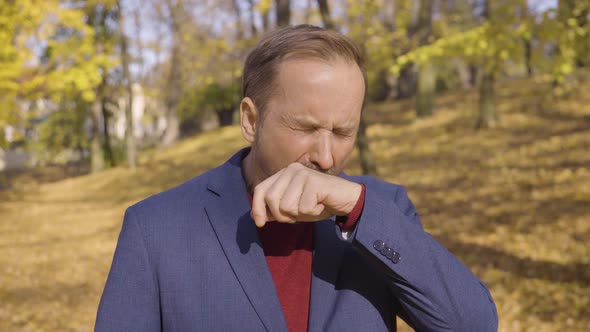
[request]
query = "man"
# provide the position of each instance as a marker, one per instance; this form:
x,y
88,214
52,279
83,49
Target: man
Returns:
x,y
330,253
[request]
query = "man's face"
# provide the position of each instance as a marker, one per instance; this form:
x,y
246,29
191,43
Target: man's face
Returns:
x,y
313,118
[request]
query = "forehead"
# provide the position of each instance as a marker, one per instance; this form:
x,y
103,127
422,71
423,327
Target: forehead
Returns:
x,y
313,68
318,88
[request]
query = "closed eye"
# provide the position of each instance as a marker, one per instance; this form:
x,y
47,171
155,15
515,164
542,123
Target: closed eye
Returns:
x,y
343,132
308,130
304,129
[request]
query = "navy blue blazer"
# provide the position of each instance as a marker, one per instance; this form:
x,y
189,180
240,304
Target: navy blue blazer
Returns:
x,y
189,259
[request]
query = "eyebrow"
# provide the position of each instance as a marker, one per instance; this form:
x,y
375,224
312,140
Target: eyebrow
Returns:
x,y
307,121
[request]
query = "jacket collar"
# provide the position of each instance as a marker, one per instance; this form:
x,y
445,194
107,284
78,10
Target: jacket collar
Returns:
x,y
228,210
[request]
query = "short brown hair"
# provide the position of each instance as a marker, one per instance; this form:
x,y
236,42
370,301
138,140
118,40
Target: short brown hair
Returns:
x,y
301,41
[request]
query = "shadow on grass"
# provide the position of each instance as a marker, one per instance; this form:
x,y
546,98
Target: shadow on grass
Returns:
x,y
487,257
72,293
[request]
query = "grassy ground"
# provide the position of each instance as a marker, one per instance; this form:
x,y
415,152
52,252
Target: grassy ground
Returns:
x,y
512,202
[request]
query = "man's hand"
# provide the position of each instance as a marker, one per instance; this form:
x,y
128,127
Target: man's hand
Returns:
x,y
297,193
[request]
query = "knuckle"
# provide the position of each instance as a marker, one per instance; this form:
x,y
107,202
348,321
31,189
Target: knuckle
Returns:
x,y
270,197
306,210
257,190
271,200
289,210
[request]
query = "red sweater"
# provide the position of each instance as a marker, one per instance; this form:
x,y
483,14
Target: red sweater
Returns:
x,y
288,251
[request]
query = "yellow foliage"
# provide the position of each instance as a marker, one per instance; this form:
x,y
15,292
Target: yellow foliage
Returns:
x,y
500,39
72,64
511,203
263,6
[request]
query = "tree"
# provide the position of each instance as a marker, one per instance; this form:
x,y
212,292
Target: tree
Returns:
x,y
490,45
574,15
325,13
369,34
175,11
49,58
102,17
129,126
252,17
488,117
527,38
407,21
264,8
283,11
565,32
426,73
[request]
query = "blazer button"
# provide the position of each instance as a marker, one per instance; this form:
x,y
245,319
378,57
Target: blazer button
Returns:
x,y
389,253
379,245
395,257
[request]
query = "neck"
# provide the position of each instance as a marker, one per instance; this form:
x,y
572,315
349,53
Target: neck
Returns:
x,y
250,171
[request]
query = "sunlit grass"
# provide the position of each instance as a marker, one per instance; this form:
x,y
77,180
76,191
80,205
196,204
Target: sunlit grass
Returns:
x,y
512,202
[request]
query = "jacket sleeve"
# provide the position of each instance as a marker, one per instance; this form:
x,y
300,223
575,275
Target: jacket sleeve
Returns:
x,y
436,291
130,298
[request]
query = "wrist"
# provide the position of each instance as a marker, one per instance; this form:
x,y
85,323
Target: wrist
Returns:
x,y
353,197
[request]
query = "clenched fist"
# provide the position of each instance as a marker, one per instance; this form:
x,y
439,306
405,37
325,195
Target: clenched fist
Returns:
x,y
298,193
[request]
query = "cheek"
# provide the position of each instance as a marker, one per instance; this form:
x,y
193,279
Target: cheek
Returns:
x,y
342,151
282,147
295,144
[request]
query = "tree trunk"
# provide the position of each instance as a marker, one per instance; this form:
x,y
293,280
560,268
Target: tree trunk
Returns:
x,y
172,132
225,117
265,22
129,125
406,82
252,12
96,157
487,101
582,44
463,72
473,71
139,47
239,27
426,72
487,96
381,89
528,54
325,13
107,146
96,17
528,47
426,90
388,10
283,8
308,11
367,161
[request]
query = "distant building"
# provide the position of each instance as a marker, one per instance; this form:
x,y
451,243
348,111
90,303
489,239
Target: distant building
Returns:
x,y
11,160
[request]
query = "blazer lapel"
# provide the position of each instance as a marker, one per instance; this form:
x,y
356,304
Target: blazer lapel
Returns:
x,y
228,210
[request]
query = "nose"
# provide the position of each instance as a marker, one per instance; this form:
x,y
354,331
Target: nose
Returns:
x,y
321,154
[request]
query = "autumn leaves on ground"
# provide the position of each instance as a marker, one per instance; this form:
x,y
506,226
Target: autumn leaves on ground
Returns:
x,y
512,202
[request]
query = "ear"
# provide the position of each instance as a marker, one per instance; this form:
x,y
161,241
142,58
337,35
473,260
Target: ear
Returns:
x,y
249,118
